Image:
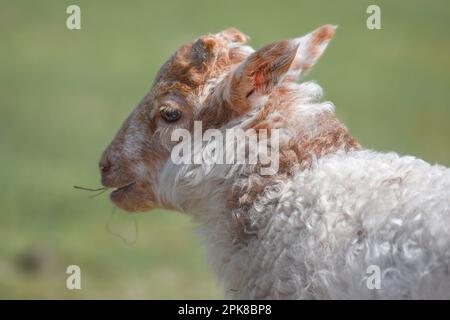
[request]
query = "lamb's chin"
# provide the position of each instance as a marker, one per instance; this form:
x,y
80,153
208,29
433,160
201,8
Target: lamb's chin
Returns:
x,y
131,200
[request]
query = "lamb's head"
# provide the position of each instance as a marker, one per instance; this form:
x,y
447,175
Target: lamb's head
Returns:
x,y
214,79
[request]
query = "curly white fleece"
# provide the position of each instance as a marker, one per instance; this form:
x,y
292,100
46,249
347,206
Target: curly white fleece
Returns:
x,y
317,233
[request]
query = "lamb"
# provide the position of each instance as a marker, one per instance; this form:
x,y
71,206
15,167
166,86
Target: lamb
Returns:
x,y
313,229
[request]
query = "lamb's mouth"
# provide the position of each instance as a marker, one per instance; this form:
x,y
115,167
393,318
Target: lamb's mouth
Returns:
x,y
118,191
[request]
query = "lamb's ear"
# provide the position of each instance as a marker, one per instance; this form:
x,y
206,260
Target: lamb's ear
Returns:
x,y
207,48
310,48
264,69
204,50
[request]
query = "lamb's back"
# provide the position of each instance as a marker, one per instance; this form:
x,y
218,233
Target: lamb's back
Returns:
x,y
326,231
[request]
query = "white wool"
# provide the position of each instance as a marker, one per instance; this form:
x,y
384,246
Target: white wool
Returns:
x,y
316,234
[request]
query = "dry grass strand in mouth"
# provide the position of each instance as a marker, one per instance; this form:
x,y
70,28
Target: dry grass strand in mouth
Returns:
x,y
90,189
99,190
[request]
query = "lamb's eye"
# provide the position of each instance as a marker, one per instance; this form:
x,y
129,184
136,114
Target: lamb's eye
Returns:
x,y
170,114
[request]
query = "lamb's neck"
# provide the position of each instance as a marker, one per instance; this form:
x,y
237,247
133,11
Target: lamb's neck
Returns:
x,y
223,193
219,197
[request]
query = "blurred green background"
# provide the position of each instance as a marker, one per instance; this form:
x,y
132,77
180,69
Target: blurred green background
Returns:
x,y
63,94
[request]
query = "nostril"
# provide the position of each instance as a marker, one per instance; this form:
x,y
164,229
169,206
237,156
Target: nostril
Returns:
x,y
105,166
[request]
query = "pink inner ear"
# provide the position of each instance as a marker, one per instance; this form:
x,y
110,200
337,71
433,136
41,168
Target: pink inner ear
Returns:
x,y
259,77
268,65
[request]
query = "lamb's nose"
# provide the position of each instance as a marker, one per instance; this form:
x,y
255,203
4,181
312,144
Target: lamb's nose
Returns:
x,y
105,166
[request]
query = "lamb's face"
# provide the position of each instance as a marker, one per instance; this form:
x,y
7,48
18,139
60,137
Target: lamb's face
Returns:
x,y
213,79
133,160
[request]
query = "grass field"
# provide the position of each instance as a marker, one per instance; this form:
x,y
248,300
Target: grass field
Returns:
x,y
63,94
